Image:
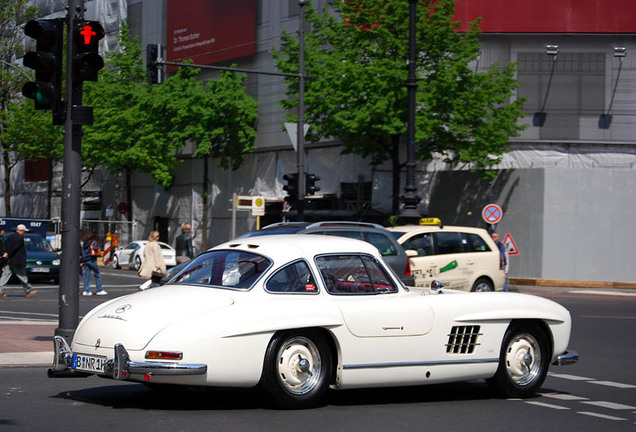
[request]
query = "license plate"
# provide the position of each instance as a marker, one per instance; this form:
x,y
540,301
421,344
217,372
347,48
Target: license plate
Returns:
x,y
40,270
89,363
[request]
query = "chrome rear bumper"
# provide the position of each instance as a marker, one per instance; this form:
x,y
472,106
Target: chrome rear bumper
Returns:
x,y
567,358
120,366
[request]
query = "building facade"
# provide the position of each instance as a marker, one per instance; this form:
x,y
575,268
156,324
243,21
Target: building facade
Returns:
x,y
567,187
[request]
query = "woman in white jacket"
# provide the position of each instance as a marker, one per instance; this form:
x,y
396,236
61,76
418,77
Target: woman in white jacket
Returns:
x,y
153,261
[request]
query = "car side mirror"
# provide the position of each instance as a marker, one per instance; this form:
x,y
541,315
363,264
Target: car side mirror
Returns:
x,y
411,253
437,286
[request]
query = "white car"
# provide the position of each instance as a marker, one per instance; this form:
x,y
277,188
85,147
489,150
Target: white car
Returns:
x,y
461,257
132,255
295,315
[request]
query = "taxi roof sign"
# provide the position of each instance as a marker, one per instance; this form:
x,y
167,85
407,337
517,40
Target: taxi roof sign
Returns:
x,y
430,221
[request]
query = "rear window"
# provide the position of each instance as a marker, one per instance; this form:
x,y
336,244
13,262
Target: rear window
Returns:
x,y
354,274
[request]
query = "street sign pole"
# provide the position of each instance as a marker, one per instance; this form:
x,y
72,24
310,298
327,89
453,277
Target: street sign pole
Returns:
x,y
68,301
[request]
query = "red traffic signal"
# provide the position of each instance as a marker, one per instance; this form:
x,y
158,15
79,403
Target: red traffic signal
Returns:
x,y
86,59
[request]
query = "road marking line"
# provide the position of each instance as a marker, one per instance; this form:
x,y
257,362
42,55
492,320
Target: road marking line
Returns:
x,y
563,396
545,405
610,405
606,293
570,377
613,384
603,416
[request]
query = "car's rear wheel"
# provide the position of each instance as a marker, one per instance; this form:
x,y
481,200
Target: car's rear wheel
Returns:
x,y
115,261
523,363
482,285
137,263
297,367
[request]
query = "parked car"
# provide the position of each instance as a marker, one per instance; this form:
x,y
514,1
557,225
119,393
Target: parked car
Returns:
x,y
132,255
375,234
463,258
43,262
295,315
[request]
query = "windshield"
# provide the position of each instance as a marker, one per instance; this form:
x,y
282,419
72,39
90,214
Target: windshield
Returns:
x,y
36,244
224,268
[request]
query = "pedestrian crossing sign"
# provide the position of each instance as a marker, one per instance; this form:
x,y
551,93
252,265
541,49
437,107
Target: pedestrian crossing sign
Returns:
x,y
511,246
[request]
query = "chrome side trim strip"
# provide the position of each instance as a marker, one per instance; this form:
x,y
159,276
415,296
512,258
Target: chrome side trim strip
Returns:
x,y
412,364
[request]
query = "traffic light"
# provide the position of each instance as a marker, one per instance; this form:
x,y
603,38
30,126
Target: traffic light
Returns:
x,y
86,59
291,187
46,90
152,69
310,184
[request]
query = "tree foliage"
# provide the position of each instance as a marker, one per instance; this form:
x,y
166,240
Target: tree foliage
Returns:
x,y
140,127
24,132
357,62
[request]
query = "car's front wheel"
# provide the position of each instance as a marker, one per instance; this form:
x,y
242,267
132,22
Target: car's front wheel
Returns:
x,y
297,369
115,261
523,363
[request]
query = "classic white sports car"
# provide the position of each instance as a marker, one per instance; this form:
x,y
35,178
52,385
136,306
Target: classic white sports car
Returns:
x,y
298,314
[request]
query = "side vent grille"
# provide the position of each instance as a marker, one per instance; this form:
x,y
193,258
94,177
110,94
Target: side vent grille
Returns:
x,y
463,339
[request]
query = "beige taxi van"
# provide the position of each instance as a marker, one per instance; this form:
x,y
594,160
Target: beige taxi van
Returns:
x,y
462,258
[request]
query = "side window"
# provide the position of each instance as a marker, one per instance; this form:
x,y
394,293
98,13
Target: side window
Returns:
x,y
293,278
422,244
448,243
474,243
382,243
353,274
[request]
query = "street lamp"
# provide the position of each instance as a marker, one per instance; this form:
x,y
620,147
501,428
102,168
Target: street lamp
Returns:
x,y
539,117
605,120
300,134
409,213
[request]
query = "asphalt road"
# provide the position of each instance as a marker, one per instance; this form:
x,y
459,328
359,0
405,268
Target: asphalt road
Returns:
x,y
598,393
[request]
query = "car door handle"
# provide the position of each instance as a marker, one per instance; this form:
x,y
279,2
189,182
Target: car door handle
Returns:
x,y
469,262
432,265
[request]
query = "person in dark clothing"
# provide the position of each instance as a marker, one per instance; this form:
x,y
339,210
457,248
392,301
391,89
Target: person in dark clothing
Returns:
x,y
88,263
504,256
184,244
14,261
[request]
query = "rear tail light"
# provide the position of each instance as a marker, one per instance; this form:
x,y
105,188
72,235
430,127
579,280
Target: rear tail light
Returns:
x,y
407,269
501,262
164,355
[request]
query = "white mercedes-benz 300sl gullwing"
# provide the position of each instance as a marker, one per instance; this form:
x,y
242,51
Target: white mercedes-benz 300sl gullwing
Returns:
x,y
295,315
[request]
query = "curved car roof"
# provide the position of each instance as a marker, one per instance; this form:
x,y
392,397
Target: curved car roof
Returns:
x,y
286,247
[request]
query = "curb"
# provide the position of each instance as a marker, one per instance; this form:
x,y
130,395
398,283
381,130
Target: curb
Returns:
x,y
570,284
26,359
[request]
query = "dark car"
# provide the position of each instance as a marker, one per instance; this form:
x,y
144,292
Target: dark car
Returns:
x,y
43,263
377,235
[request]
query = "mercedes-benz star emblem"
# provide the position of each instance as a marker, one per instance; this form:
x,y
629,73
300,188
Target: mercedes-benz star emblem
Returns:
x,y
124,308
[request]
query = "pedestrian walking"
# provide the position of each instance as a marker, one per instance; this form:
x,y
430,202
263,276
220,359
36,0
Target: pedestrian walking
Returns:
x,y
88,263
183,244
154,266
14,257
504,256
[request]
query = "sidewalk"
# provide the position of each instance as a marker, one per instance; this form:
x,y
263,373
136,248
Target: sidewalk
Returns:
x,y
25,343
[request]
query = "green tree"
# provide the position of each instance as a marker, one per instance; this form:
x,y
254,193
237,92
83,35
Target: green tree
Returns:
x,y
357,62
119,137
31,135
218,117
12,14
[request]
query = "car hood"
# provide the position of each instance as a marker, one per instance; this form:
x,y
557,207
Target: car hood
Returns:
x,y
135,319
44,256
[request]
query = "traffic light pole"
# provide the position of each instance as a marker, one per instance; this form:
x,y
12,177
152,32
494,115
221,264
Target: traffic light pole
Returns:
x,y
69,277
